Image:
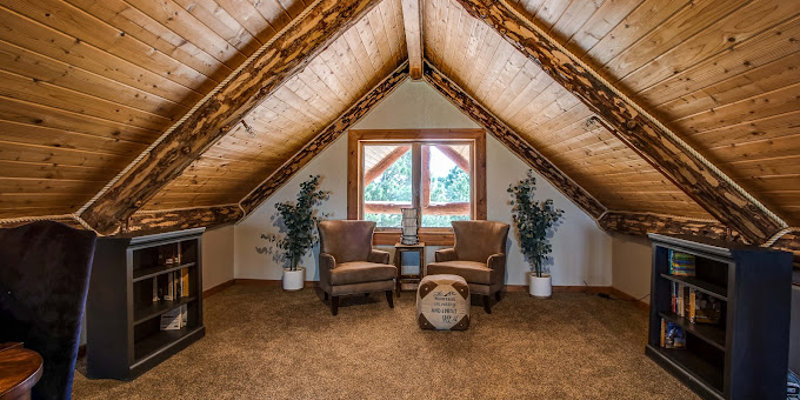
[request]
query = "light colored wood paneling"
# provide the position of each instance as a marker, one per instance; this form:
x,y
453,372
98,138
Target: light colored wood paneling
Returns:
x,y
300,109
547,115
86,85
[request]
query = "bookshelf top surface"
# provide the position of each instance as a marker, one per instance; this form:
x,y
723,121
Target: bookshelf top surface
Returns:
x,y
138,240
713,246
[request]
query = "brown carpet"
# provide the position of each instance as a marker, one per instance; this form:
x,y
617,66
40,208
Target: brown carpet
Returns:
x,y
263,343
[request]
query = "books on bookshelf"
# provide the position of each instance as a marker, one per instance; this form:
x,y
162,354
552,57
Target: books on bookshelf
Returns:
x,y
681,264
792,386
174,319
672,335
696,306
174,286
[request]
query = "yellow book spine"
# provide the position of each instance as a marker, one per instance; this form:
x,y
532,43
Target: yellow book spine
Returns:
x,y
692,300
663,331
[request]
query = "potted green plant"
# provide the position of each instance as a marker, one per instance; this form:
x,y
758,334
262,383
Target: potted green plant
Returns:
x,y
297,221
534,220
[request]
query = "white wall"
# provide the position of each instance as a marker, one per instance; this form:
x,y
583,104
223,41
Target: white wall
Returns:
x,y
218,255
630,265
581,251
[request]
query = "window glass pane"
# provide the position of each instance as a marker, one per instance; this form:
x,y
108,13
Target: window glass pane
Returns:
x,y
449,185
387,183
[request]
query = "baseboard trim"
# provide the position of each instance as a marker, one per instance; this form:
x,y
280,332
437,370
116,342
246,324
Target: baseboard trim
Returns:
x,y
269,282
216,289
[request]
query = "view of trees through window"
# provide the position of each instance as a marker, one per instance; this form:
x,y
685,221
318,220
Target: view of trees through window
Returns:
x,y
448,184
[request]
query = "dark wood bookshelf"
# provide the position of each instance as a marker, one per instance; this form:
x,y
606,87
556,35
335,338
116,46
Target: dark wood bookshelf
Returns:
x,y
132,278
151,272
703,286
713,334
745,355
144,313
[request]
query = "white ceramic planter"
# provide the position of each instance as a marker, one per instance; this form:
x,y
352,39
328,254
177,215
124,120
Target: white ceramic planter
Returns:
x,y
541,288
293,280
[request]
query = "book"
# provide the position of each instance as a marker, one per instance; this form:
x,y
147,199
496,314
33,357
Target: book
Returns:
x,y
681,264
185,282
172,320
672,335
703,308
170,290
792,386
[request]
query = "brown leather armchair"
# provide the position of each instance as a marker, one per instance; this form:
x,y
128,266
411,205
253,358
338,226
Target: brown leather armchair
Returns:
x,y
478,256
349,265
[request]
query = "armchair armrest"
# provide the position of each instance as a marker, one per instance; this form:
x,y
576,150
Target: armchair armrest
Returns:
x,y
326,264
443,255
378,256
496,261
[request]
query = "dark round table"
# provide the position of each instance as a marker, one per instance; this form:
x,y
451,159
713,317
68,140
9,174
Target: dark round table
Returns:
x,y
20,369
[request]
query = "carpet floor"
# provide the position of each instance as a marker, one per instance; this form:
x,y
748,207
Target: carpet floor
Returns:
x,y
263,343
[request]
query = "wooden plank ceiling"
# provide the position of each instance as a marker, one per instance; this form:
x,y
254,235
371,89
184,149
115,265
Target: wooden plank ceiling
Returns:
x,y
86,86
298,111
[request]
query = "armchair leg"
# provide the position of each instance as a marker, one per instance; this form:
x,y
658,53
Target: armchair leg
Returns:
x,y
390,298
497,295
325,294
487,306
334,305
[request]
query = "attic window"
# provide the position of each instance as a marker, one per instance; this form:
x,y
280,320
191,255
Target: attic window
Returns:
x,y
440,171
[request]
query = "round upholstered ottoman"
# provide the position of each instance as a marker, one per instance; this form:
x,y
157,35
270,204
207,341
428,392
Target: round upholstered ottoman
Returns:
x,y
443,303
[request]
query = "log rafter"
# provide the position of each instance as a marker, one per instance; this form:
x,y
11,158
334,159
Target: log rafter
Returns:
x,y
513,141
325,138
696,176
149,222
245,89
412,21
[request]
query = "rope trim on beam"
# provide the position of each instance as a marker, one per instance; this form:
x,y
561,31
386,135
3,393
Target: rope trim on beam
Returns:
x,y
194,109
686,147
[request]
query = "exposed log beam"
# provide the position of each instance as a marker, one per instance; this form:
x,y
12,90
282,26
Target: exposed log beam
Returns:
x,y
149,222
287,55
326,137
412,19
513,141
68,220
384,164
706,184
643,223
459,208
455,157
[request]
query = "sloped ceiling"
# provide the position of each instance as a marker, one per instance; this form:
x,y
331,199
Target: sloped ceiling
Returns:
x,y
287,120
87,85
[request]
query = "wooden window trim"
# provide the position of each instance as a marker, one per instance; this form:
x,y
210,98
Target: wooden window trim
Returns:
x,y
431,236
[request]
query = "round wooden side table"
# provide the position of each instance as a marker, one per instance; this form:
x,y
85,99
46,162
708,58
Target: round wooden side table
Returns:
x,y
20,369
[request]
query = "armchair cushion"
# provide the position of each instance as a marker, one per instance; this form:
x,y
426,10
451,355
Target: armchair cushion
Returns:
x,y
361,271
471,271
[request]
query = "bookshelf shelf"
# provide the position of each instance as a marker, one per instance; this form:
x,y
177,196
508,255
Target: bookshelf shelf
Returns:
x,y
145,313
705,287
127,329
151,272
712,334
743,356
156,342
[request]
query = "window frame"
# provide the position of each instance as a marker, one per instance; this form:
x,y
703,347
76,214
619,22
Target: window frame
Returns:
x,y
355,190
